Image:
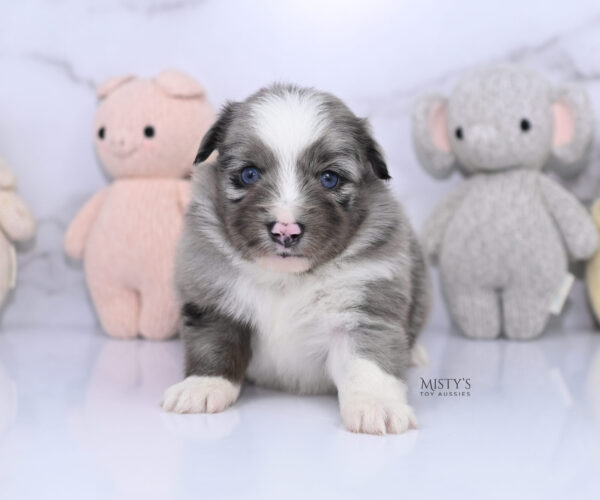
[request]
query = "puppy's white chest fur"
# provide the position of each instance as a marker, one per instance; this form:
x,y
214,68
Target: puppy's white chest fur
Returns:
x,y
294,327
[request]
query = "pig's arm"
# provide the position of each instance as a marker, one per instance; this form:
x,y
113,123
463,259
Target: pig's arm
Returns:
x,y
574,223
15,218
183,195
436,224
79,229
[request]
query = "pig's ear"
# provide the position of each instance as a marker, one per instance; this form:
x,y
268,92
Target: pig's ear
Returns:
x,y
110,85
177,84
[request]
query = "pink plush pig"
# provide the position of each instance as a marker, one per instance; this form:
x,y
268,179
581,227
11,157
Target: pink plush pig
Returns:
x,y
147,133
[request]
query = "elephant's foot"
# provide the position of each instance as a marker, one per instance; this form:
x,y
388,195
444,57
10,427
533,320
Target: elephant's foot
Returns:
x,y
476,313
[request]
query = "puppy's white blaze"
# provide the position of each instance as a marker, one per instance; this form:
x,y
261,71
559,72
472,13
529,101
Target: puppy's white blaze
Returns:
x,y
284,215
287,124
288,187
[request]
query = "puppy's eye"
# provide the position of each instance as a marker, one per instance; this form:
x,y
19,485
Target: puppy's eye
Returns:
x,y
525,125
329,179
459,133
149,131
101,133
250,175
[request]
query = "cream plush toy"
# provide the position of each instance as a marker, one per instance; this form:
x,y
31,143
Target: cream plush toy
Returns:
x,y
592,275
146,135
16,223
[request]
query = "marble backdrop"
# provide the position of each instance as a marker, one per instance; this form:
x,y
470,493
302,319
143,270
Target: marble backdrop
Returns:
x,y
377,55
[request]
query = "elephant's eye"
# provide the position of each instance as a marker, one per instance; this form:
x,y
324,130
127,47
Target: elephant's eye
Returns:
x,y
525,125
459,133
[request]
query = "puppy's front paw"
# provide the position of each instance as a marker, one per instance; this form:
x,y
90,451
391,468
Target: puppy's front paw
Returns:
x,y
372,415
200,395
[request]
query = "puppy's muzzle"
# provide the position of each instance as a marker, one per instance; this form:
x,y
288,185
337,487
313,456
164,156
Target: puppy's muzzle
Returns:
x,y
286,235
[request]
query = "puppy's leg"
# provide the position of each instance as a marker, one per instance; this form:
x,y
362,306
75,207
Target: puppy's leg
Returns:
x,y
371,400
217,352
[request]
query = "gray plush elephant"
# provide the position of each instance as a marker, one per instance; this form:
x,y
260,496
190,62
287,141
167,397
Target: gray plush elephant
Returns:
x,y
503,237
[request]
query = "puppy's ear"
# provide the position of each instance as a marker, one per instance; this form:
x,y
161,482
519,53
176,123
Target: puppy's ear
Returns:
x,y
375,157
373,152
214,137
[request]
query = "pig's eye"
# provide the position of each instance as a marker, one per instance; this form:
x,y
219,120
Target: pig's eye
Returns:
x,y
101,132
149,131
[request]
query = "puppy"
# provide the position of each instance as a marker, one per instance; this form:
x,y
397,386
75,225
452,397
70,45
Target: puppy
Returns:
x,y
297,268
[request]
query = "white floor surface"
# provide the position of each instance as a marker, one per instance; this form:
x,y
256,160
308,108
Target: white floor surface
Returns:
x,y
80,419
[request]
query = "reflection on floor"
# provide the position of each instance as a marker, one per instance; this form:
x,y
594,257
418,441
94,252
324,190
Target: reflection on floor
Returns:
x,y
80,418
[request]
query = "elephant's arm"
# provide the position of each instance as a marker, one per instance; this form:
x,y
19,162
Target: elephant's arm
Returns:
x,y
15,218
79,229
436,224
574,223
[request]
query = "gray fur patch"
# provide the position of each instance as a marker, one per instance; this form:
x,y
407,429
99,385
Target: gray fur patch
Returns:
x,y
394,310
214,344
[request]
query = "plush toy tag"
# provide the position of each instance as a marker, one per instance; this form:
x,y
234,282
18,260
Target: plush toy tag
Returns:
x,y
558,302
12,262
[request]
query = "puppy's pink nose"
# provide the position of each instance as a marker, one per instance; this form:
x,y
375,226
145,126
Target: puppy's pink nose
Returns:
x,y
287,235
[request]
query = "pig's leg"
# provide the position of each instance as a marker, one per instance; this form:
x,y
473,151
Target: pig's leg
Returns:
x,y
159,311
118,307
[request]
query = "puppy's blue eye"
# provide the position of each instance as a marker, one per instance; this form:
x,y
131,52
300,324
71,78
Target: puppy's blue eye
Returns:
x,y
250,175
329,179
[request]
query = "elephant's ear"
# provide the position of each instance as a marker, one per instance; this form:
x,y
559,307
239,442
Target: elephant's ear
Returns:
x,y
430,136
573,124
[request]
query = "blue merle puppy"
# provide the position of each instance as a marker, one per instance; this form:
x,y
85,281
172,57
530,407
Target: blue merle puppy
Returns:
x,y
298,269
